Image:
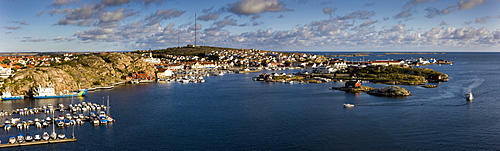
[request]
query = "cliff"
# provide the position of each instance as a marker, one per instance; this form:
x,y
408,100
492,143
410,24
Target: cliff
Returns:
x,y
84,72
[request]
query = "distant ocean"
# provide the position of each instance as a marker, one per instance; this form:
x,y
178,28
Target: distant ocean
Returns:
x,y
232,112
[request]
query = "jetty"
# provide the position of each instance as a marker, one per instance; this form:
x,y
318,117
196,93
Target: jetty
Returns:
x,y
38,142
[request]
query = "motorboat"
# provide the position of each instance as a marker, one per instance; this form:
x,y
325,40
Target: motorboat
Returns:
x,y
61,136
347,105
470,97
7,127
53,135
68,116
96,121
29,138
38,125
45,124
45,136
12,140
20,138
37,137
60,123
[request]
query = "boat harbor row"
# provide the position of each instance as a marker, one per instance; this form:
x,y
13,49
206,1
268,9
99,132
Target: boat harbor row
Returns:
x,y
39,142
76,114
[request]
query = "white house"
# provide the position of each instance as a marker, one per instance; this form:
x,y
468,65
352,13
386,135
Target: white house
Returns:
x,y
5,72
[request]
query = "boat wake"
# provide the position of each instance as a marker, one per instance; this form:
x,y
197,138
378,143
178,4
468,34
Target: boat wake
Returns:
x,y
474,84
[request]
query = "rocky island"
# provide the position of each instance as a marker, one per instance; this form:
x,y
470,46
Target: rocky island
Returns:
x,y
390,91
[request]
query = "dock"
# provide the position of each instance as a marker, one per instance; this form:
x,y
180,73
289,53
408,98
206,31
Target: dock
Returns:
x,y
38,142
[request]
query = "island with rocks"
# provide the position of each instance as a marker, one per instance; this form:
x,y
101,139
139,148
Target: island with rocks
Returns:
x,y
390,91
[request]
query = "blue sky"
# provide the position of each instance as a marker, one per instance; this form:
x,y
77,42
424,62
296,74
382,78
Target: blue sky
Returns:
x,y
282,25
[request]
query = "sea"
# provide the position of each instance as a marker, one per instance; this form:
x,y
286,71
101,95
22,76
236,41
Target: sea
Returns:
x,y
232,112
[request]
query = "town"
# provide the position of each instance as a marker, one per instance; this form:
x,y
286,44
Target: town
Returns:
x,y
218,62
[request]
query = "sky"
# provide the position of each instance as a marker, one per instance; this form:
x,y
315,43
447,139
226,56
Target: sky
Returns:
x,y
274,25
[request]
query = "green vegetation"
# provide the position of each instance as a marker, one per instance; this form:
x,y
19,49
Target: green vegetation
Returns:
x,y
185,51
429,86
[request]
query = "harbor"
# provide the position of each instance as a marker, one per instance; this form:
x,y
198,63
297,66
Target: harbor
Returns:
x,y
48,117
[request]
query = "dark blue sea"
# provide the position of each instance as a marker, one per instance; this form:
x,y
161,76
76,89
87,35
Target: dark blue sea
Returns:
x,y
232,112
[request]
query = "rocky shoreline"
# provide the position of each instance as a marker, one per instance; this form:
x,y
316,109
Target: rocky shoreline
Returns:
x,y
390,91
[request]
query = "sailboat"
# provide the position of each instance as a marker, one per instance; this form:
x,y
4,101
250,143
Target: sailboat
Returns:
x,y
53,135
469,96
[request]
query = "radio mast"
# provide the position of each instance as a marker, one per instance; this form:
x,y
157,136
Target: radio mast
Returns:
x,y
194,29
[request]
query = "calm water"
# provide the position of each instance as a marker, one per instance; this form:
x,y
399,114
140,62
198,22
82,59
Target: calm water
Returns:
x,y
233,112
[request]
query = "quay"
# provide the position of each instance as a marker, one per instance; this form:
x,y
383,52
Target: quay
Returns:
x,y
38,142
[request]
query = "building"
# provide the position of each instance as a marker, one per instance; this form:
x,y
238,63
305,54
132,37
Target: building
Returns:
x,y
387,62
353,84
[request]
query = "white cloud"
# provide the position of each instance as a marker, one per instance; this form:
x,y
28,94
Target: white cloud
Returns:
x,y
209,16
462,5
358,15
250,7
83,16
31,39
115,2
12,28
161,15
61,2
329,11
21,22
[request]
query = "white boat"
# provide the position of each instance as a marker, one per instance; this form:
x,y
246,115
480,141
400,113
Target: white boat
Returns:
x,y
45,136
8,96
37,137
470,97
29,138
20,138
347,105
7,127
53,135
68,116
12,140
60,123
49,92
61,136
96,121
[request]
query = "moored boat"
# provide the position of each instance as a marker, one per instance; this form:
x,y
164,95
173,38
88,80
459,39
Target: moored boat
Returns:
x,y
12,140
37,137
20,138
8,96
49,92
7,127
45,136
29,138
61,136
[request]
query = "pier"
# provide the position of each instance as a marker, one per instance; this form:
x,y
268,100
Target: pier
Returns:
x,y
38,142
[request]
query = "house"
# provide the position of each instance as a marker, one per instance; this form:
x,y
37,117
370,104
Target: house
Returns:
x,y
5,71
323,69
353,84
